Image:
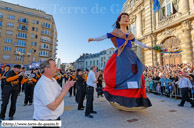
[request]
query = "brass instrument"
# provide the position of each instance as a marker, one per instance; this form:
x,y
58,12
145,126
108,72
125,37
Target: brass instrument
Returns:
x,y
29,75
59,75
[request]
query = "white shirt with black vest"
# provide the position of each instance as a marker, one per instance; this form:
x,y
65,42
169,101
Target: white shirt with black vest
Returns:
x,y
45,92
91,79
184,83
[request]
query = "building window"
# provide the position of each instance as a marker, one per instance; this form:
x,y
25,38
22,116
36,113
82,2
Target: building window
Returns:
x,y
22,50
23,20
86,63
168,8
7,40
0,23
9,32
44,53
19,58
11,17
6,57
23,27
131,3
31,44
32,28
97,62
7,8
33,21
36,36
1,15
36,29
10,25
35,43
7,49
37,22
47,25
21,43
90,63
22,35
46,32
32,36
132,28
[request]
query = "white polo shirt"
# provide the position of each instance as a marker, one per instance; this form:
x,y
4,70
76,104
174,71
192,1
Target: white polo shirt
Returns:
x,y
45,92
91,79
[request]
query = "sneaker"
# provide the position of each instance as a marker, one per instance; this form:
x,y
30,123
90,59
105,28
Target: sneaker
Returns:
x,y
89,116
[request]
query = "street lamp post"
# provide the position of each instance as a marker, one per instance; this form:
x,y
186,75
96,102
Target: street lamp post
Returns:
x,y
20,54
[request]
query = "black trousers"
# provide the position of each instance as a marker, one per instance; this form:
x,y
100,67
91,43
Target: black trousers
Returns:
x,y
2,86
8,91
49,127
80,98
72,89
90,99
29,90
185,96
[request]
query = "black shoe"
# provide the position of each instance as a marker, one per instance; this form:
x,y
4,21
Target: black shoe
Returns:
x,y
83,107
25,104
30,104
102,96
89,116
192,106
93,112
180,105
11,118
80,109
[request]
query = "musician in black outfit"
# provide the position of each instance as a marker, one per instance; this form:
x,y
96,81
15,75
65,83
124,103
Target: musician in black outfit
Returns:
x,y
11,89
3,78
80,89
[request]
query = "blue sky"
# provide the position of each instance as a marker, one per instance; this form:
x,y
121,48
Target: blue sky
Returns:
x,y
76,21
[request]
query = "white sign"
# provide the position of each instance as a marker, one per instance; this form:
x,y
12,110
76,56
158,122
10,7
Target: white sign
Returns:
x,y
132,84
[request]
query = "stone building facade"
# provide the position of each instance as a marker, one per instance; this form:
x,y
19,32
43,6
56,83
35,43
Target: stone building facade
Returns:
x,y
172,26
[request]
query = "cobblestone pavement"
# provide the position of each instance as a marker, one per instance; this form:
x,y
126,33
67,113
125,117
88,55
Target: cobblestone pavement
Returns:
x,y
163,114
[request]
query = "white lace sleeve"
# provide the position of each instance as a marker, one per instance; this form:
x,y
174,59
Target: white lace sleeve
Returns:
x,y
101,38
140,44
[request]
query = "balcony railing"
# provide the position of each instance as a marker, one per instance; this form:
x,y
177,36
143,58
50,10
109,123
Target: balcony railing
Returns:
x,y
45,40
168,19
22,30
48,48
46,34
44,55
20,37
47,27
23,21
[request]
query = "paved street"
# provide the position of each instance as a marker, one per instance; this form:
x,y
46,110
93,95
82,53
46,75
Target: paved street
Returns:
x,y
163,114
